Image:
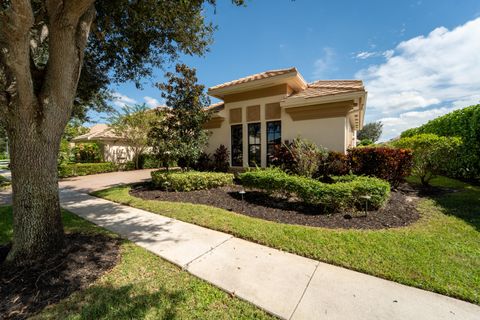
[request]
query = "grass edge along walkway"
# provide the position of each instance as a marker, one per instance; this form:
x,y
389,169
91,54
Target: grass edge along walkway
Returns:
x,y
141,286
440,252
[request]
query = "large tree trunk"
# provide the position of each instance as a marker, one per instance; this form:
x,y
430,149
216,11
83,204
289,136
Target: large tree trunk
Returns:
x,y
37,223
36,104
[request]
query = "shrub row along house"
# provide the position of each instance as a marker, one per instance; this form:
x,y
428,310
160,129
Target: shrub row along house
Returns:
x,y
261,111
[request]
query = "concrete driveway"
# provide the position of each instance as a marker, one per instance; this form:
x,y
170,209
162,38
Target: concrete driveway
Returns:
x,y
87,184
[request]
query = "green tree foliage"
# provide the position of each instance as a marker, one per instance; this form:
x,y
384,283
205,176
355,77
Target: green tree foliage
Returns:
x,y
133,124
432,154
73,129
57,58
365,142
179,136
464,123
371,131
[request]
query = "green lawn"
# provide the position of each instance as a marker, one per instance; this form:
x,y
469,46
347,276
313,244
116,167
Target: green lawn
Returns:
x,y
141,286
440,252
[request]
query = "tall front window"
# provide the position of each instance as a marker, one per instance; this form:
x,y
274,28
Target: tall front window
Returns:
x,y
274,138
237,145
254,155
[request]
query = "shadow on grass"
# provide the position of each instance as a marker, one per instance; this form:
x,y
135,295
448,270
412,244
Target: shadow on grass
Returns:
x,y
459,199
463,204
107,302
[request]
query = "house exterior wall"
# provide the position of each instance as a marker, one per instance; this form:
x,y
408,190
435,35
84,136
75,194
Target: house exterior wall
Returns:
x,y
117,152
327,132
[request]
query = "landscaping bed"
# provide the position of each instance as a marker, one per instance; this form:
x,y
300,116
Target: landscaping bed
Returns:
x,y
24,292
399,210
138,284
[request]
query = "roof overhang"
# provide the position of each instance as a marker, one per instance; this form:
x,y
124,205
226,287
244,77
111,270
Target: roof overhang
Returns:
x,y
356,115
293,79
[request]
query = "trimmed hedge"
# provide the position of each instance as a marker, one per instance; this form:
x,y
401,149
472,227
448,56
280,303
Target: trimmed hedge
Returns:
x,y
84,169
190,180
4,182
338,196
464,123
390,164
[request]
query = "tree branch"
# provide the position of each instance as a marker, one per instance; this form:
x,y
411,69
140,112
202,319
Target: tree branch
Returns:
x,y
66,51
15,24
68,12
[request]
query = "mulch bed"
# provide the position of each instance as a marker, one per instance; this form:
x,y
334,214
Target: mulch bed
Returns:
x,y
26,291
398,212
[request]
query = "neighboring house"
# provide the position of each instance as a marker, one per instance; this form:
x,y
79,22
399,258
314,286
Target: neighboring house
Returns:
x,y
260,111
113,147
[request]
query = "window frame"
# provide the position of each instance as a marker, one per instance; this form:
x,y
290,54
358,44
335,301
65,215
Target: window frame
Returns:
x,y
239,145
268,144
256,145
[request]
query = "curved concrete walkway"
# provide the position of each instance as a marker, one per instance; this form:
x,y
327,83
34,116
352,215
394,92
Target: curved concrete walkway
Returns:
x,y
283,284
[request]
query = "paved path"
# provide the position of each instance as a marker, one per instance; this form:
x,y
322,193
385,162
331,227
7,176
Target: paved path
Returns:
x,y
87,184
287,285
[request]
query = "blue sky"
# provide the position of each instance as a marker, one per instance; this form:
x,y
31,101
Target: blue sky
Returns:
x,y
419,59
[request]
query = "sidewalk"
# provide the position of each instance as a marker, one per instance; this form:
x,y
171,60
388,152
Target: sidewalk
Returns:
x,y
286,285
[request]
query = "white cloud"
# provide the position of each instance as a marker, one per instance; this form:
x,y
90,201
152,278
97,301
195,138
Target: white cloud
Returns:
x,y
324,65
365,55
424,77
373,54
151,102
121,100
393,126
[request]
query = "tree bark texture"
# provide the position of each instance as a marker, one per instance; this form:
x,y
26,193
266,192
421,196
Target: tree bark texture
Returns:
x,y
35,106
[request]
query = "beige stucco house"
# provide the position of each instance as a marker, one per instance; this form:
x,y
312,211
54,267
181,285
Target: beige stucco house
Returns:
x,y
113,148
265,109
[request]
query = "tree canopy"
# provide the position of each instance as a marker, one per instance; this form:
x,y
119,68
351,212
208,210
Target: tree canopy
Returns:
x,y
179,136
133,124
371,131
57,59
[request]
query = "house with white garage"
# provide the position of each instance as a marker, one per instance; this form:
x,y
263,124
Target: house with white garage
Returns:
x,y
263,110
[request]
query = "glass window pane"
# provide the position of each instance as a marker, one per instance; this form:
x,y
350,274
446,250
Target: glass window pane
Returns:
x,y
237,145
274,137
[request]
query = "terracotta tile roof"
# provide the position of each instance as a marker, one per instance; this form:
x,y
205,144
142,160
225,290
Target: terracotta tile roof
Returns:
x,y
97,133
322,88
216,106
253,77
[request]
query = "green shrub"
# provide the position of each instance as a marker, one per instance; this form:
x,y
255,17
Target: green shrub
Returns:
x,y
338,196
220,159
301,157
464,123
150,162
4,182
432,154
390,164
190,180
365,142
88,152
83,169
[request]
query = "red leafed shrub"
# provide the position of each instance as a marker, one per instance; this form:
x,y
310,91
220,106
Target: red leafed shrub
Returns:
x,y
282,157
389,164
335,164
